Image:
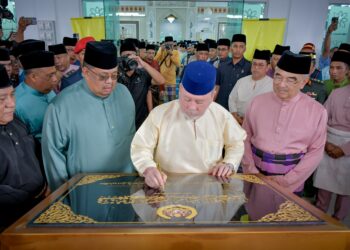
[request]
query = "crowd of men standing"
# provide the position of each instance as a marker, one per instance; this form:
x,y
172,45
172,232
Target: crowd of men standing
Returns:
x,y
76,106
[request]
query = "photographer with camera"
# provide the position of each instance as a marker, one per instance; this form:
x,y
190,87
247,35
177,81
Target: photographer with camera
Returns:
x,y
137,76
169,60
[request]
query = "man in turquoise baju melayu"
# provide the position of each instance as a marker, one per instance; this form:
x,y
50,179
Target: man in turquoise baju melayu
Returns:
x,y
89,126
35,93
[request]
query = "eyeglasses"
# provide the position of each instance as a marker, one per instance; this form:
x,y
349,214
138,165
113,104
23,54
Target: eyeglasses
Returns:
x,y
105,77
289,80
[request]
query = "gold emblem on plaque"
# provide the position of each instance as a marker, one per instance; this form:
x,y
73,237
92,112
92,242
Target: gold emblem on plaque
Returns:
x,y
62,213
177,211
94,178
289,211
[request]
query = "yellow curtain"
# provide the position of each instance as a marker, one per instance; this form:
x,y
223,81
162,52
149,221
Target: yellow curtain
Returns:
x,y
94,26
263,34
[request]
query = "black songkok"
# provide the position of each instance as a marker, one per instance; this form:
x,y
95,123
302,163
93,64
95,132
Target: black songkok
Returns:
x,y
344,46
69,41
168,39
224,41
262,55
142,45
58,49
5,81
280,49
4,54
211,43
239,38
37,59
294,63
29,45
127,47
150,46
101,55
202,47
341,56
133,41
7,44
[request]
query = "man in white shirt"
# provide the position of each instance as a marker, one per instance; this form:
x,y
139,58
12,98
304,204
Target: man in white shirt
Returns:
x,y
250,86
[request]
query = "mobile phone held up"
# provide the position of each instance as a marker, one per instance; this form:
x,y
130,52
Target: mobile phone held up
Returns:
x,y
30,20
335,21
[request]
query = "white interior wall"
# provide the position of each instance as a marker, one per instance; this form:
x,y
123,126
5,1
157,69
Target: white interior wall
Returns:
x,y
305,18
58,10
141,21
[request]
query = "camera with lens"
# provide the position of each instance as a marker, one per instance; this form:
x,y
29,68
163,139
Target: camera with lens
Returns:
x,y
168,46
126,64
5,13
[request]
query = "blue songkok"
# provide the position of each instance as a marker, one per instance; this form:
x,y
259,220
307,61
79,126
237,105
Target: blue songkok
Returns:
x,y
199,78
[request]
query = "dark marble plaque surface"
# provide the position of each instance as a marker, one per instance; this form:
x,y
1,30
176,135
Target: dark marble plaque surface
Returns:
x,y
187,200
